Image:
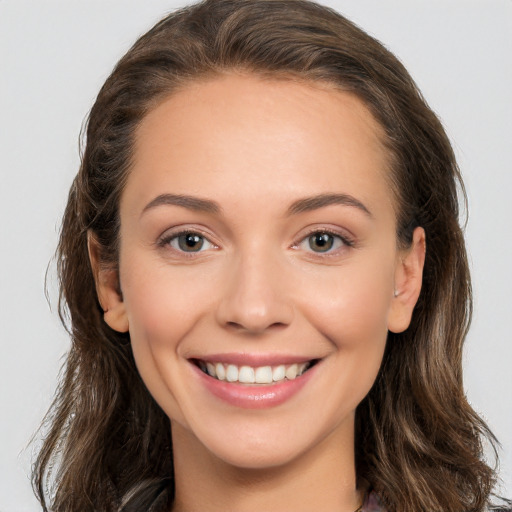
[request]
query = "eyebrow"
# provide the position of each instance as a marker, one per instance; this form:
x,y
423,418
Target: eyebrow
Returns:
x,y
192,203
306,204
320,201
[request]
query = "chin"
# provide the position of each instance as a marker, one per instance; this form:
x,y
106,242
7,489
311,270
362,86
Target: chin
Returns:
x,y
260,443
251,455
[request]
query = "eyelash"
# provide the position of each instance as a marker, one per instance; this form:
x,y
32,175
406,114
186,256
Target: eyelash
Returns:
x,y
167,239
346,241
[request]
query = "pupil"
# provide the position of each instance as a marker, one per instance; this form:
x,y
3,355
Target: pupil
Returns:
x,y
321,242
190,242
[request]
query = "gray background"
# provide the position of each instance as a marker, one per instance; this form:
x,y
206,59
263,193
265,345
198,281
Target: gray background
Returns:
x,y
54,56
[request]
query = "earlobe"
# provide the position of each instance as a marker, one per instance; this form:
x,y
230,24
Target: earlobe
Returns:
x,y
408,280
107,288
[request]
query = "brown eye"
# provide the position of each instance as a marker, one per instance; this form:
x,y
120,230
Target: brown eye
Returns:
x,y
321,242
189,242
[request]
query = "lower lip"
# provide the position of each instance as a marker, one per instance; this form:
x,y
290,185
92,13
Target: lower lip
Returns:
x,y
254,397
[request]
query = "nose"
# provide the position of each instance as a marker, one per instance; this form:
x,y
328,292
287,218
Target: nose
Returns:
x,y
255,296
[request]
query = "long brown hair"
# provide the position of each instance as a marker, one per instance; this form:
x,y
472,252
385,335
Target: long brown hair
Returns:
x,y
418,442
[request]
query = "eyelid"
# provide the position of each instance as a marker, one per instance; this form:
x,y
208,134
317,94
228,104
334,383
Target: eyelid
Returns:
x,y
347,239
172,233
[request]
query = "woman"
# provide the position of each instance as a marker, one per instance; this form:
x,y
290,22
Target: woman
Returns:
x,y
266,279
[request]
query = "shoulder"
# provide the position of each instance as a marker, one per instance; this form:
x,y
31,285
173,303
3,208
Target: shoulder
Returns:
x,y
372,503
505,505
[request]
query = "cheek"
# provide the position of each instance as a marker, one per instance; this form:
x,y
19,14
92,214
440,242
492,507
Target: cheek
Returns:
x,y
163,303
163,306
350,308
354,299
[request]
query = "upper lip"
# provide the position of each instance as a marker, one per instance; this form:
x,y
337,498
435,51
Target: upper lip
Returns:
x,y
254,360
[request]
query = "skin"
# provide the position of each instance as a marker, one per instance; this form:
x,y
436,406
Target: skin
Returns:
x,y
258,285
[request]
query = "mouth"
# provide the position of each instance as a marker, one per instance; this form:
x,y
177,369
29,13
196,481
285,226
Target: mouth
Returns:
x,y
251,375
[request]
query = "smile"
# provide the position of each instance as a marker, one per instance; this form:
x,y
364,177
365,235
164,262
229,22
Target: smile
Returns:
x,y
268,381
245,374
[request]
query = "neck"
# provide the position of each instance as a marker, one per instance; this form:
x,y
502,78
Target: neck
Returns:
x,y
321,479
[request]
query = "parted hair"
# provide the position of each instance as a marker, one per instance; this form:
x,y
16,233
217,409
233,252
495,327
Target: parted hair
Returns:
x,y
419,444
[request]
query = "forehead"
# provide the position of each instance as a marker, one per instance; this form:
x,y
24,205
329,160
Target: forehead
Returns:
x,y
276,138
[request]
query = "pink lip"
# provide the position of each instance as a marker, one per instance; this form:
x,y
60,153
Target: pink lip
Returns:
x,y
254,360
253,397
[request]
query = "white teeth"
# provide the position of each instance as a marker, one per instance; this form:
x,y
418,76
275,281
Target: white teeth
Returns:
x,y
220,371
232,373
246,375
279,373
210,368
263,375
291,372
249,375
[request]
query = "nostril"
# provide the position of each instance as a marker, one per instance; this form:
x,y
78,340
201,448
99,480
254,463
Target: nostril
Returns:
x,y
277,325
255,329
253,315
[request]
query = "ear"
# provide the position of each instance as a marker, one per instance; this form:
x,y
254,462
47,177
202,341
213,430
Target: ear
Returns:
x,y
408,279
107,288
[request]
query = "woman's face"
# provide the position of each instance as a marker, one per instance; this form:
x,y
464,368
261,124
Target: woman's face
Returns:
x,y
258,265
